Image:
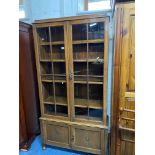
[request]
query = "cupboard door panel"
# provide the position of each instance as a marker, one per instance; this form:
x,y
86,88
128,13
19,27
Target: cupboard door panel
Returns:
x,y
57,133
87,139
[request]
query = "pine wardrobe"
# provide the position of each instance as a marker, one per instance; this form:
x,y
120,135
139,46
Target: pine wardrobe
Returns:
x,y
72,65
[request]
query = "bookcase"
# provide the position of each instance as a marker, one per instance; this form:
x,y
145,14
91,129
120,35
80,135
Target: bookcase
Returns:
x,y
72,60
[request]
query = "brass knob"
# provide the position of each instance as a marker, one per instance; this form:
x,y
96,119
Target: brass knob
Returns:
x,y
70,76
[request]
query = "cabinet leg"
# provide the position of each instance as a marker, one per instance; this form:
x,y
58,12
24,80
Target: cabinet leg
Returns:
x,y
43,146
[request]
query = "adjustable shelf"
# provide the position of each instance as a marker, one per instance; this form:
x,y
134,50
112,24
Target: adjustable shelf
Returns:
x,y
84,103
88,41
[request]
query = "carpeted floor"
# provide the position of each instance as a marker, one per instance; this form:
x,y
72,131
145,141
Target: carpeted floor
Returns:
x,y
36,149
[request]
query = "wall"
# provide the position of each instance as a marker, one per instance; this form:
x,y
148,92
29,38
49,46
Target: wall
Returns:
x,y
43,9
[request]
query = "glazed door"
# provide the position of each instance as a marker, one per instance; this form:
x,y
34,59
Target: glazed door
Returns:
x,y
53,81
124,81
88,70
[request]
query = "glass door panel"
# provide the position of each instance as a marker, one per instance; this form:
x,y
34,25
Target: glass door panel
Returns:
x,y
45,53
59,71
96,30
79,32
61,99
53,70
46,70
58,52
88,66
57,33
48,93
61,93
96,51
43,34
80,71
79,52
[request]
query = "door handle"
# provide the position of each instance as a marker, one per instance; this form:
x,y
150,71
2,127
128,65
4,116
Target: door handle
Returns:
x,y
70,76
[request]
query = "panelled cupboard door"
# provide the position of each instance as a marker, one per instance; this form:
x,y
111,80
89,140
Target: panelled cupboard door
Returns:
x,y
57,134
88,139
125,46
51,51
88,69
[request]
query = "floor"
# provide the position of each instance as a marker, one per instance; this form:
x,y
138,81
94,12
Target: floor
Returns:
x,y
36,149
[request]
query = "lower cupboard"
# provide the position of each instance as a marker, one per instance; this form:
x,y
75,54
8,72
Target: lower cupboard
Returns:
x,y
74,136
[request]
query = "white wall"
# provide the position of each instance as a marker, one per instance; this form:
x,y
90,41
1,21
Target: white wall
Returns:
x,y
44,9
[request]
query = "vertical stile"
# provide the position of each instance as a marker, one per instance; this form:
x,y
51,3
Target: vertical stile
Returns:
x,y
87,73
67,65
106,26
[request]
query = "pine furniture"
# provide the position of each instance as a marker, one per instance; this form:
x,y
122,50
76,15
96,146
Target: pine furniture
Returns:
x,y
123,106
72,60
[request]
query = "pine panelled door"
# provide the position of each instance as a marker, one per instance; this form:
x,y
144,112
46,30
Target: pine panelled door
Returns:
x,y
123,108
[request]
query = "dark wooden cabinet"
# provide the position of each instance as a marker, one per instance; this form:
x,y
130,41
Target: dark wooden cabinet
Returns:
x,y
29,110
72,60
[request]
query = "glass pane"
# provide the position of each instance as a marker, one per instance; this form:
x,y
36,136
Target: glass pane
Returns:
x,y
96,51
96,30
80,71
80,51
58,52
49,109
43,34
79,32
61,110
96,92
48,92
57,33
46,70
45,53
81,112
59,70
80,92
96,114
95,72
60,93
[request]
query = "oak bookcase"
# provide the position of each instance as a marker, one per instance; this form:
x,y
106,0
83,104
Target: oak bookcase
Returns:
x,y
72,61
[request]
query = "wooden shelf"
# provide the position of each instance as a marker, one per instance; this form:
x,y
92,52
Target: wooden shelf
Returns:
x,y
57,42
58,60
89,82
94,104
85,60
88,41
52,60
52,43
56,81
59,100
80,60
